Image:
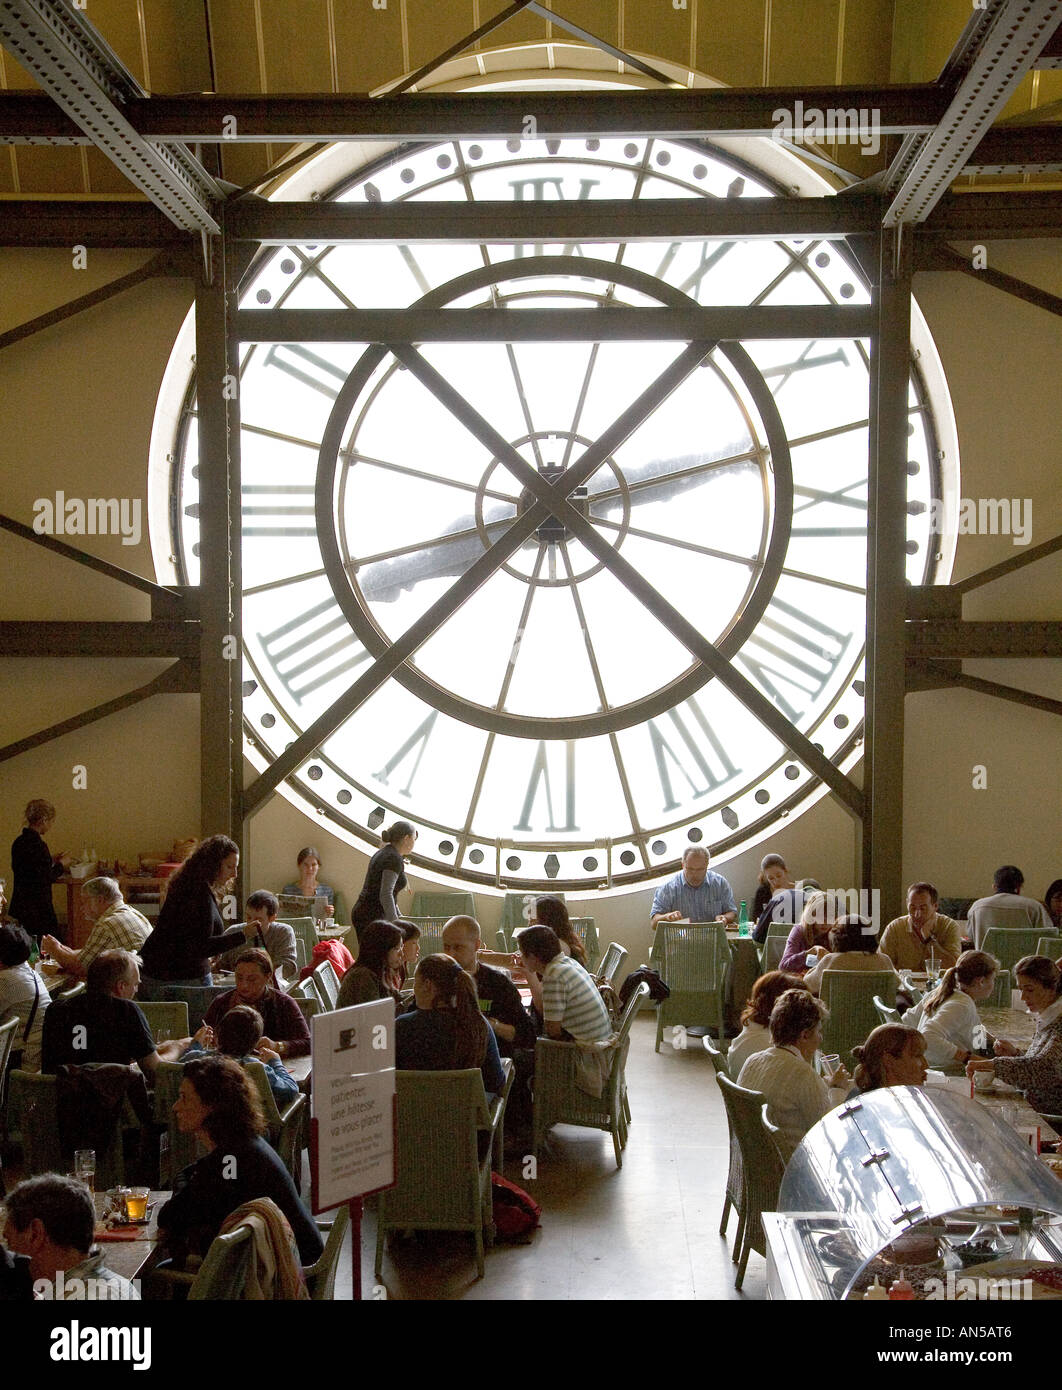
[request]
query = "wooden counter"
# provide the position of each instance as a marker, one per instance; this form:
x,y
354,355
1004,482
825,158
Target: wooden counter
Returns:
x,y
145,886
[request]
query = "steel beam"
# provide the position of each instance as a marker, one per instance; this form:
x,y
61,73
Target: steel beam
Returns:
x,y
587,220
1006,47
1008,566
455,48
164,264
890,355
996,216
157,638
1016,150
221,648
949,675
70,60
700,111
165,602
95,223
933,256
955,639
181,677
619,324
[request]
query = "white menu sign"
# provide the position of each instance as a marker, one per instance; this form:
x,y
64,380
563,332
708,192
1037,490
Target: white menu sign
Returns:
x,y
353,1101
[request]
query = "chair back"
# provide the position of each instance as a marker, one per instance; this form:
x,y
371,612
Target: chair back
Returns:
x,y
1049,946
1000,996
1001,919
34,1105
305,929
321,1276
585,929
1009,944
284,1130
772,952
327,982
885,1014
306,996
761,1162
302,956
198,999
8,1032
615,955
444,905
437,1163
167,1018
431,930
694,956
180,1149
222,1277
849,996
502,941
719,1059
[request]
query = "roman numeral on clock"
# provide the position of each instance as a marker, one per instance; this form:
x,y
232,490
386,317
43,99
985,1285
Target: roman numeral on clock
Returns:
x,y
313,649
694,752
415,744
540,778
792,656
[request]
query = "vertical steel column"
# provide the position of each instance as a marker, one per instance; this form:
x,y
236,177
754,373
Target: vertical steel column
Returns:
x,y
890,364
217,390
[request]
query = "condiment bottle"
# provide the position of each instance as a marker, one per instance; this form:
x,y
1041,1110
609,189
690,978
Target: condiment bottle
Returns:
x,y
876,1292
901,1289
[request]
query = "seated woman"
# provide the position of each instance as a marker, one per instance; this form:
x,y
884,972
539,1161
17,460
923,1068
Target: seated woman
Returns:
x,y
811,934
1038,1070
948,1017
755,1033
854,945
774,876
891,1056
446,1031
551,912
797,1097
309,864
379,954
22,994
239,1035
400,979
1053,903
218,1104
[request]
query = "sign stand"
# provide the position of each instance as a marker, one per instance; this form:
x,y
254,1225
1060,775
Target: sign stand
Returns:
x,y
352,1125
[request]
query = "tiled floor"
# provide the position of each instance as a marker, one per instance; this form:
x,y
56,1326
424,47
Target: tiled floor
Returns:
x,y
648,1230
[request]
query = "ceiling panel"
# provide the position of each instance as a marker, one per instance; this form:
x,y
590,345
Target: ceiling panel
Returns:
x,y
803,42
434,27
657,30
867,41
600,17
368,45
236,43
297,47
729,44
43,169
178,52
522,28
119,23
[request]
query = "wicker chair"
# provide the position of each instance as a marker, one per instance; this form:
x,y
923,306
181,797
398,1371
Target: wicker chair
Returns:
x,y
441,1182
34,1105
167,1019
762,1169
849,996
694,961
558,1100
612,963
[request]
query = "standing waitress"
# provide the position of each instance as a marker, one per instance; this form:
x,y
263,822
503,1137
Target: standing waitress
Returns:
x,y
35,870
385,878
190,928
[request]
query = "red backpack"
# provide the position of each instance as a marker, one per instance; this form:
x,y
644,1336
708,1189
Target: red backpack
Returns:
x,y
516,1213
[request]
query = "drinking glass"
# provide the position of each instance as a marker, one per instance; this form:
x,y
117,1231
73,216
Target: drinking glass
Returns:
x,y
85,1167
136,1203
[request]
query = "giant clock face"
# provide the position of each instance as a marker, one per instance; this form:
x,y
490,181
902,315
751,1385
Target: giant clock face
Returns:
x,y
553,728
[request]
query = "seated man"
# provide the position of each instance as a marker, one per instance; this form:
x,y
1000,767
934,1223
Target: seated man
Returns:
x,y
117,927
52,1219
286,1032
571,1004
694,893
1006,907
104,1024
263,930
499,999
907,941
239,1035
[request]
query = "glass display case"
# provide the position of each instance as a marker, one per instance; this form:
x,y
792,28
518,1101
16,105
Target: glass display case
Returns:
x,y
912,1183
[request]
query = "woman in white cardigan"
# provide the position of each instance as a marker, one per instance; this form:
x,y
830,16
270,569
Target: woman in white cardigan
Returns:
x,y
949,1015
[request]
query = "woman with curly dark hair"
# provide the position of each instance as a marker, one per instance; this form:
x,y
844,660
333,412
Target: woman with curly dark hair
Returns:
x,y
218,1104
190,928
755,1035
551,912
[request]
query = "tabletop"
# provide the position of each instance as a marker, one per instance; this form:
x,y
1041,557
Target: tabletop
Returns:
x,y
129,1257
1010,1105
1016,1025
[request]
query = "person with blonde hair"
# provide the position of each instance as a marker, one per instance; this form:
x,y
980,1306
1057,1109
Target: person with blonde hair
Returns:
x,y
949,1015
35,869
812,933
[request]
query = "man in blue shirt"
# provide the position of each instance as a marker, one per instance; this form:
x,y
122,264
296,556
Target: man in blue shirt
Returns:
x,y
694,894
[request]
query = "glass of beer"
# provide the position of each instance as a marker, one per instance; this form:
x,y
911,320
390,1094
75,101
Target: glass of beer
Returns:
x,y
136,1200
85,1167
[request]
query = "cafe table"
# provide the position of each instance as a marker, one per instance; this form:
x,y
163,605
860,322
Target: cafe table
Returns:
x,y
1007,1103
124,1255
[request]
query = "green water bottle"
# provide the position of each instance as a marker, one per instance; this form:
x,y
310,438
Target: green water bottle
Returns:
x,y
743,919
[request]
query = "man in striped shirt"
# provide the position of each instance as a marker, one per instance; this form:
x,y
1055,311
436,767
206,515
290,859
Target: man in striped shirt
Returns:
x,y
117,927
572,1007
